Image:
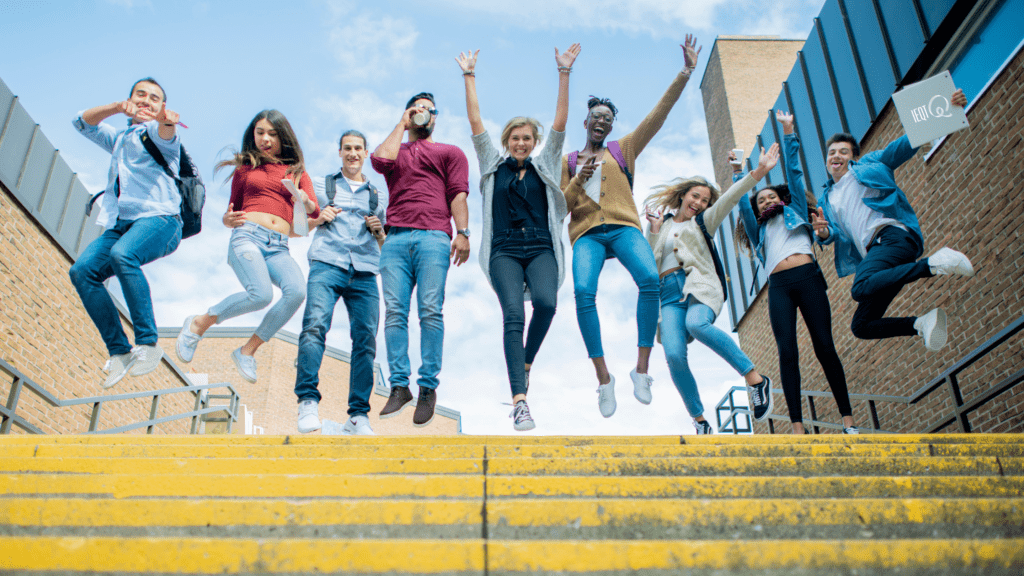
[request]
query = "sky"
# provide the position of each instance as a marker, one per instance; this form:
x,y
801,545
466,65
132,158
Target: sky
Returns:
x,y
330,66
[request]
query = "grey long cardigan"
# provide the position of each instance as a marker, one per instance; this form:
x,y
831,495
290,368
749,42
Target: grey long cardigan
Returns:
x,y
549,166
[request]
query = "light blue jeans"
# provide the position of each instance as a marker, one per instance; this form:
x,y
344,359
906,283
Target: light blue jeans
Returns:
x,y
259,256
588,255
412,258
680,321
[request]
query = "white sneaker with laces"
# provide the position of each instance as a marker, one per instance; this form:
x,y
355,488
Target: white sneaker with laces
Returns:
x,y
932,327
703,427
147,358
641,386
949,261
185,345
358,425
851,430
309,416
521,419
117,368
606,398
246,365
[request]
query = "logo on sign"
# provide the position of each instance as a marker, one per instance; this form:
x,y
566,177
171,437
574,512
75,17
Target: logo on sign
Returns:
x,y
937,107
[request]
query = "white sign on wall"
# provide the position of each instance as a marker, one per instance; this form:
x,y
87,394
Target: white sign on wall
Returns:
x,y
926,111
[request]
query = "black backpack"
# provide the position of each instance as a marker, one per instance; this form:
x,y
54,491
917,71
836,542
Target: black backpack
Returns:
x,y
190,186
719,269
330,186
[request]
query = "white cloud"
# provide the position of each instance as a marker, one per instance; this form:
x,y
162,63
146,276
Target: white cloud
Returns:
x,y
367,47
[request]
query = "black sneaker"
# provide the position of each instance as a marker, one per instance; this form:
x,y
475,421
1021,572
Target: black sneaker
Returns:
x,y
760,396
851,430
424,407
703,427
521,419
399,399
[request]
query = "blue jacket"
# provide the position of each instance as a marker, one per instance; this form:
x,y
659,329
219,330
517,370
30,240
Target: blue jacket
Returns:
x,y
874,170
795,213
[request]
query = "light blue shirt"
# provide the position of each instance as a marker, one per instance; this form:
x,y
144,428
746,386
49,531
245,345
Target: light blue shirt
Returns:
x,y
146,190
346,241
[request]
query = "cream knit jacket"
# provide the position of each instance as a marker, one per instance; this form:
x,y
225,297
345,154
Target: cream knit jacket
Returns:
x,y
692,252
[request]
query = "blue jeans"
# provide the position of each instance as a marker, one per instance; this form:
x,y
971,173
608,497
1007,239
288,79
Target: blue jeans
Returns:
x,y
260,259
588,255
414,258
679,321
326,284
122,251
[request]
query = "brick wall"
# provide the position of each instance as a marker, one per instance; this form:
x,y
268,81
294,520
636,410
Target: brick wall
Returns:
x,y
47,335
968,196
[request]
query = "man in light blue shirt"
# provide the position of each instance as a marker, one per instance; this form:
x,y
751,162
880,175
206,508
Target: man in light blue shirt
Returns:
x,y
343,263
140,210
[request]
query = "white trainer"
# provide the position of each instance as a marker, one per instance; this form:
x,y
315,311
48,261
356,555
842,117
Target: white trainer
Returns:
x,y
949,261
641,386
117,368
606,398
358,425
147,358
185,345
932,327
309,416
246,365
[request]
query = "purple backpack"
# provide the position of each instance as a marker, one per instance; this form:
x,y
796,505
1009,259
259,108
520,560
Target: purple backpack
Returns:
x,y
616,152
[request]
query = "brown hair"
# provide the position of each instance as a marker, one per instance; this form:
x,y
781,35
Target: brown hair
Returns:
x,y
518,122
671,195
291,152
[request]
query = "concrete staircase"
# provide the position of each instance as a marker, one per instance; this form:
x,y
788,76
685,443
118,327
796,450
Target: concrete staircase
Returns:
x,y
942,504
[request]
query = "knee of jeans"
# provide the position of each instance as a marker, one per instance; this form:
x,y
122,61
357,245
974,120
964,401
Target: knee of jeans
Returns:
x,y
121,258
584,293
79,273
676,357
543,307
649,284
294,294
859,291
859,328
260,295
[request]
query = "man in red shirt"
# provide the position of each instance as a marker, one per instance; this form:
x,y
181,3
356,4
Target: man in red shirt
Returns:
x,y
427,187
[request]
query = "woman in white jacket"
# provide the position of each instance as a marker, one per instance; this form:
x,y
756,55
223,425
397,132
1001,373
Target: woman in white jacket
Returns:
x,y
691,292
523,207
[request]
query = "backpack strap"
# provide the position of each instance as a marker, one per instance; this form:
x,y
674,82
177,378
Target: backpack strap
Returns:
x,y
573,156
150,147
616,152
719,269
330,187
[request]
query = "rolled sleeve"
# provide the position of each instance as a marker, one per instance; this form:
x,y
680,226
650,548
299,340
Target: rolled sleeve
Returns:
x,y
104,135
457,175
382,165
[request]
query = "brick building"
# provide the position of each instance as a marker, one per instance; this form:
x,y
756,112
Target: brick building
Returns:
x,y
965,188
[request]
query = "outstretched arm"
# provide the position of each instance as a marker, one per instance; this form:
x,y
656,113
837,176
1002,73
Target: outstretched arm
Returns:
x,y
564,61
714,215
467,61
650,125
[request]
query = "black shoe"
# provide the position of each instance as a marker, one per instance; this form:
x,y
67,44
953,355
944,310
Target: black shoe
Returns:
x,y
761,398
399,399
424,407
851,430
703,427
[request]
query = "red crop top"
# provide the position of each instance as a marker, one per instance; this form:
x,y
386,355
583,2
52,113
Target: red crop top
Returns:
x,y
260,190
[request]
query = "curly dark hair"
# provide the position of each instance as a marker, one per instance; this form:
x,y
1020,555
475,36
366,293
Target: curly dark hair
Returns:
x,y
595,101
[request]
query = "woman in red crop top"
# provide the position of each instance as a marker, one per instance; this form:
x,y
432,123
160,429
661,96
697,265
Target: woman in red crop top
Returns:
x,y
260,214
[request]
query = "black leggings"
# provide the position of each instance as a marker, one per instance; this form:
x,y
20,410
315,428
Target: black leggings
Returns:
x,y
804,287
524,257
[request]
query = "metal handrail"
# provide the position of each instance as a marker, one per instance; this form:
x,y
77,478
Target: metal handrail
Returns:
x,y
202,406
958,414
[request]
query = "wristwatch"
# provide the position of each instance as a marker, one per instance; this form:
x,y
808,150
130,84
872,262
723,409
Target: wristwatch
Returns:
x,y
464,232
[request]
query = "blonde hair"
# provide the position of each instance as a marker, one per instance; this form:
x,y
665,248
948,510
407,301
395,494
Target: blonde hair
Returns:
x,y
518,122
670,196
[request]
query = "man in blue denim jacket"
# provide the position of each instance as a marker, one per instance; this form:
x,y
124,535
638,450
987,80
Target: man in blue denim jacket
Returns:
x,y
140,209
878,238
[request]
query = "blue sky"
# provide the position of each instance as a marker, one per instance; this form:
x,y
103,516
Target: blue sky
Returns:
x,y
331,66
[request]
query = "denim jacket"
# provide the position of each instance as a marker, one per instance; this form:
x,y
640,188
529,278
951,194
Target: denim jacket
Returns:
x,y
795,213
874,170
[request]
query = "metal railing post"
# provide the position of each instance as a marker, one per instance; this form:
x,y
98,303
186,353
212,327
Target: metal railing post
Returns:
x,y
958,403
152,413
873,409
814,414
95,418
12,405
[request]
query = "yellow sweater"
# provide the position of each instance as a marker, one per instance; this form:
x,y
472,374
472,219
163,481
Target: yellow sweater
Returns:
x,y
616,205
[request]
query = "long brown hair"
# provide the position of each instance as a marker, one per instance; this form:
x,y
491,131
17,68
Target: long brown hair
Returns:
x,y
739,233
291,152
670,196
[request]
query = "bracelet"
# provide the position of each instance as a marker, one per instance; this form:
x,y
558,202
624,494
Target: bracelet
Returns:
x,y
565,69
470,73
167,124
688,70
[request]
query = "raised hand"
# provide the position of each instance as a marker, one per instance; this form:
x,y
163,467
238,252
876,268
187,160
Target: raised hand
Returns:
x,y
737,166
690,51
958,99
568,57
768,159
167,117
128,108
233,219
786,119
819,223
467,61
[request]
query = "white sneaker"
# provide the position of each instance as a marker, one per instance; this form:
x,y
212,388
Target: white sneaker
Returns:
x,y
932,327
949,261
185,345
641,386
309,416
703,427
246,365
147,358
521,419
606,398
117,368
358,425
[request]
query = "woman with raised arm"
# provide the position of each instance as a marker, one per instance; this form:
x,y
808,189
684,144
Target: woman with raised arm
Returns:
x,y
605,224
261,225
684,216
521,249
776,226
